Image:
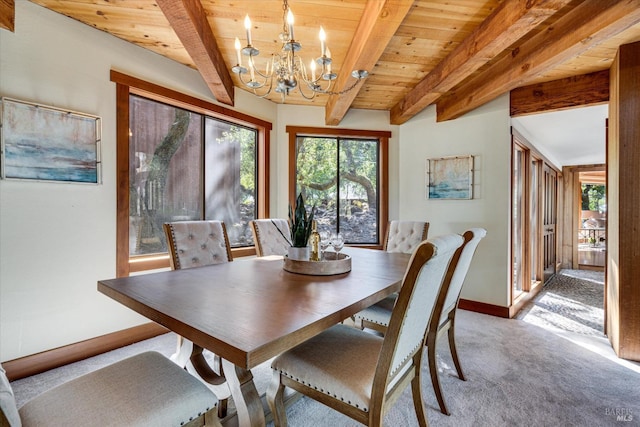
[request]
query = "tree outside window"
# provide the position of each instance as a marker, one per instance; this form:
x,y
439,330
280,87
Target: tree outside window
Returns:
x,y
340,176
594,198
183,158
188,166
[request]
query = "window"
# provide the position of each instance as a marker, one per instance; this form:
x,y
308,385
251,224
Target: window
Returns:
x,y
343,172
184,160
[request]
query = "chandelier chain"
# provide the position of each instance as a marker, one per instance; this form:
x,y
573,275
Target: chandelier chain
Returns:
x,y
285,8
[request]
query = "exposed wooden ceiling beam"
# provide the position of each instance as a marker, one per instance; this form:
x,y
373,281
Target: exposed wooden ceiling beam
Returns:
x,y
593,177
379,22
583,27
576,91
8,15
189,21
508,23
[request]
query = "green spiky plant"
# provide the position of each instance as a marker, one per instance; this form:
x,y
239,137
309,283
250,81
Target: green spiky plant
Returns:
x,y
300,223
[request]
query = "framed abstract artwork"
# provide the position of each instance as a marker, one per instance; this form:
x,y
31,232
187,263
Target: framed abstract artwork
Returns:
x,y
44,143
450,178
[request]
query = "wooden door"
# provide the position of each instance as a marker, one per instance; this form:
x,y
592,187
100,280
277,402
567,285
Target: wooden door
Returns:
x,y
549,218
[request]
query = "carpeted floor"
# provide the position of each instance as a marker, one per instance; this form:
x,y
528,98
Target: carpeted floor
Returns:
x,y
533,372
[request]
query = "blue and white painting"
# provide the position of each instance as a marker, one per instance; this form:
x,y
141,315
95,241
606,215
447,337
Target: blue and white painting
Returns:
x,y
44,143
451,178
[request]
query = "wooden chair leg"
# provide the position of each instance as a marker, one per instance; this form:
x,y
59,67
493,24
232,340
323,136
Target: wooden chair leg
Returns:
x,y
357,322
275,399
452,346
418,404
432,338
222,408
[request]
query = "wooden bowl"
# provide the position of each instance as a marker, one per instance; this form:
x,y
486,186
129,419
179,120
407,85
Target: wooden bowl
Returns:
x,y
332,263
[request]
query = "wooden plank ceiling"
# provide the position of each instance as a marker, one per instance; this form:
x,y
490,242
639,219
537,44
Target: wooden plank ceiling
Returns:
x,y
457,54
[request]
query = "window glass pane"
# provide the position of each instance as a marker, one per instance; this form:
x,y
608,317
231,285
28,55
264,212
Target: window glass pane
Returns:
x,y
165,171
316,172
230,178
346,197
359,190
518,215
533,221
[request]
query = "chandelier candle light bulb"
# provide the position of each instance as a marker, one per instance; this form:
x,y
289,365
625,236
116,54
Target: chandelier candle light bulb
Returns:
x,y
323,44
290,22
327,76
247,26
251,69
238,47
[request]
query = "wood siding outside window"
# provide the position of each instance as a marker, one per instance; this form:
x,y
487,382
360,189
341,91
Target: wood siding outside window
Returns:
x,y
130,88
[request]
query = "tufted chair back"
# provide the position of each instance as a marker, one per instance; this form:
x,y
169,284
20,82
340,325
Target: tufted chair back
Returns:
x,y
271,236
412,313
472,238
405,236
197,243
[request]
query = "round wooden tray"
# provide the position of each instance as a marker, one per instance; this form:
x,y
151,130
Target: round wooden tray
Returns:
x,y
331,264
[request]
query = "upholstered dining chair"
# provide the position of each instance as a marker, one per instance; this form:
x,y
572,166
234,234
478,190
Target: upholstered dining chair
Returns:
x,y
271,236
195,244
405,236
401,236
378,316
361,374
145,390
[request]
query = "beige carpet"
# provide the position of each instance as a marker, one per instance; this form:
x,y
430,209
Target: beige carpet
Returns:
x,y
519,374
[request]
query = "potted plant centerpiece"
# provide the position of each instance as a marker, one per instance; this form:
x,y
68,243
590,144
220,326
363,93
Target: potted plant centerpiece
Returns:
x,y
300,224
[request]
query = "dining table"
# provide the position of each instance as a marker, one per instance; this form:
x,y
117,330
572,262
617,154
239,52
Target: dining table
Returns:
x,y
250,310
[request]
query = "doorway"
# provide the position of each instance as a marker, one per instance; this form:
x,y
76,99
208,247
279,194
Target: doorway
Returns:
x,y
592,220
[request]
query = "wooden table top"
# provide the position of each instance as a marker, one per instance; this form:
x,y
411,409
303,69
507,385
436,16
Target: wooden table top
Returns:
x,y
250,310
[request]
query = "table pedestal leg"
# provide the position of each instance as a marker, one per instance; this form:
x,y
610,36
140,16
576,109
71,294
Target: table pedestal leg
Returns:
x,y
190,356
245,395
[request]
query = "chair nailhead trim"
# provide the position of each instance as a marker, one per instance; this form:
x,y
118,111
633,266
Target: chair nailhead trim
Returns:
x,y
327,392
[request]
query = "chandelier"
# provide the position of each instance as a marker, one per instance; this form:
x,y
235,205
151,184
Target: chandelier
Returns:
x,y
285,70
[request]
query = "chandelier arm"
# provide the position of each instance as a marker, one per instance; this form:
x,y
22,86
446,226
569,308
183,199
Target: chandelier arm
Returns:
x,y
246,83
316,85
264,95
267,90
270,87
266,75
304,95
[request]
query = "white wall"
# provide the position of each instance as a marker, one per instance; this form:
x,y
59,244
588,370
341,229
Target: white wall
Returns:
x,y
483,133
57,240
